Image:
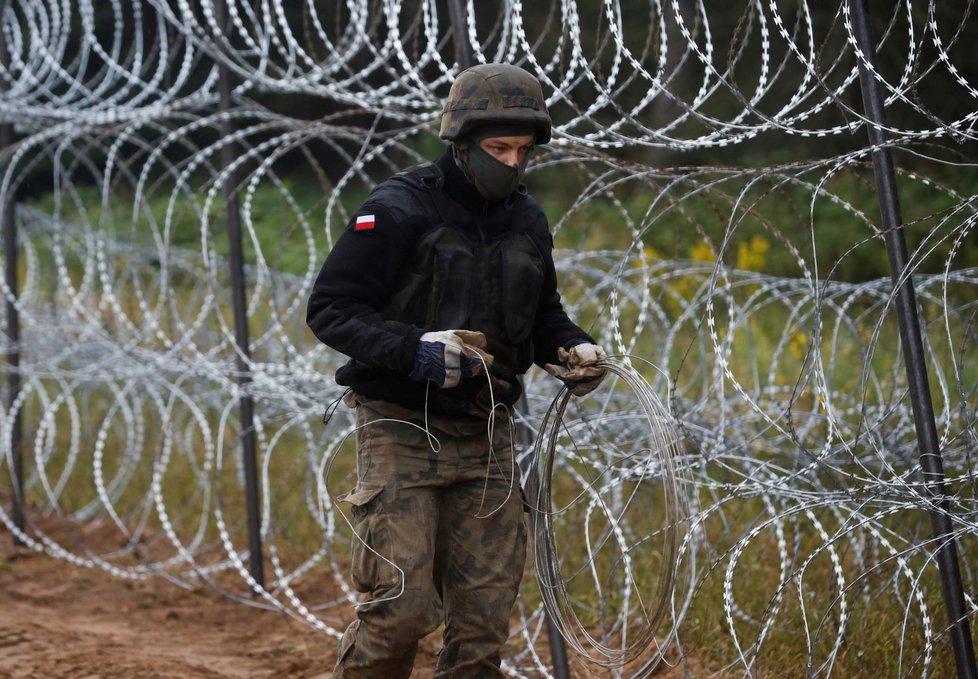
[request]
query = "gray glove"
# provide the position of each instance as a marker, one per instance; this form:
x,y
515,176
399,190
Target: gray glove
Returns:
x,y
579,372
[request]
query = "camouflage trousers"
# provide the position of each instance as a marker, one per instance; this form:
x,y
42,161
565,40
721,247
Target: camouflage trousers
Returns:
x,y
440,538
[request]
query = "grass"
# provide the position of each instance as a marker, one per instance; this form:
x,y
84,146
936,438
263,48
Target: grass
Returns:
x,y
877,619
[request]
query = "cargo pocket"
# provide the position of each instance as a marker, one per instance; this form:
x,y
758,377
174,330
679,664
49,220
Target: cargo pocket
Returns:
x,y
369,569
347,642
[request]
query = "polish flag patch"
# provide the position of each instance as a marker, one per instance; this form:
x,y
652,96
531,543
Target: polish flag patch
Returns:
x,y
365,222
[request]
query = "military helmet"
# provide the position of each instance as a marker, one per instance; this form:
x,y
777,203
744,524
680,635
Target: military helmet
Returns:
x,y
495,93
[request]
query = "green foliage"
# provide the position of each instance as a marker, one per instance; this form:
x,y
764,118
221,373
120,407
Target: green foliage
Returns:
x,y
785,224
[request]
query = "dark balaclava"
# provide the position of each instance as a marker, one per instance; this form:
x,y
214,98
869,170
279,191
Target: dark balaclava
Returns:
x,y
493,179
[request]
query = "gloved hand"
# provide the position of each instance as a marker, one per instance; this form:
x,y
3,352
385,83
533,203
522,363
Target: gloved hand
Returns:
x,y
447,356
580,374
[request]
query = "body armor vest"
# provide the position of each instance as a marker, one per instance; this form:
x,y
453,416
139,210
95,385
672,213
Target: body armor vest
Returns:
x,y
472,273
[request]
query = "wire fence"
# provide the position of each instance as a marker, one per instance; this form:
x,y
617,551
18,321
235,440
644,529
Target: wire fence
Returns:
x,y
710,192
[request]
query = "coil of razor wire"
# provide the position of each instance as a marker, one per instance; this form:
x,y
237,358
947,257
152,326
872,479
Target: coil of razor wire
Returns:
x,y
655,457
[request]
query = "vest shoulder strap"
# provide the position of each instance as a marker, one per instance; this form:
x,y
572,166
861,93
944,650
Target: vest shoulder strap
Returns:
x,y
427,175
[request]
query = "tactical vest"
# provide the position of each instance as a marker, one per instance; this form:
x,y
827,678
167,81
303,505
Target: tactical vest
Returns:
x,y
467,272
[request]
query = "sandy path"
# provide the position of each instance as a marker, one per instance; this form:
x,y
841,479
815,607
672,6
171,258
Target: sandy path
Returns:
x,y
59,620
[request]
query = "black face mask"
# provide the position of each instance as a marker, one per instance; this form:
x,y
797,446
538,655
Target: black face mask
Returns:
x,y
493,179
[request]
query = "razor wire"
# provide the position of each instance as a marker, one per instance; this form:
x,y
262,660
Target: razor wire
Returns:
x,y
636,480
805,513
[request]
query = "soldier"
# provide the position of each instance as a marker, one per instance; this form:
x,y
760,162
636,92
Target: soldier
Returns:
x,y
442,292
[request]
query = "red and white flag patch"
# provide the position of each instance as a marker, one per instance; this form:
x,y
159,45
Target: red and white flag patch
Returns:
x,y
364,222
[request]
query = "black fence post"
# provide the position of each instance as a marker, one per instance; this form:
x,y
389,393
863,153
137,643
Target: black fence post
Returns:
x,y
931,460
13,315
463,48
239,302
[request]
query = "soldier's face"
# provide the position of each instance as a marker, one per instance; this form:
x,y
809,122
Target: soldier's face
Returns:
x,y
508,150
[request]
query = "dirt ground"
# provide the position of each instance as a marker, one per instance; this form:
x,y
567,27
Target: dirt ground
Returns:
x,y
60,620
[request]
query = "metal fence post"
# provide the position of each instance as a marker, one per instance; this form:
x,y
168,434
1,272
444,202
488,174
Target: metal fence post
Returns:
x,y
931,460
463,49
239,302
12,315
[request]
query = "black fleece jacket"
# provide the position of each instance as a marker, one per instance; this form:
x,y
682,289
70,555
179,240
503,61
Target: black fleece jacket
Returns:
x,y
361,273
